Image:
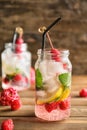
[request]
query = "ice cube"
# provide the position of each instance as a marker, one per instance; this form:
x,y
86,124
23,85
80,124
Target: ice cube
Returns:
x,y
43,69
50,68
51,84
41,93
55,68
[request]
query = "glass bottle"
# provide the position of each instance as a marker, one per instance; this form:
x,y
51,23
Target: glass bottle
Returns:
x,y
16,66
53,84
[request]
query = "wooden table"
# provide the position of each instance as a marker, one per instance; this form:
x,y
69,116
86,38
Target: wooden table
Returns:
x,y
24,119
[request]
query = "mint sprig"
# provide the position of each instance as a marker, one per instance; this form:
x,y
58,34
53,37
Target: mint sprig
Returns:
x,y
39,79
65,79
17,70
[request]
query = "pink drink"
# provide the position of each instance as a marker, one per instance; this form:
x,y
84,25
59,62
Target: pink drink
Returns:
x,y
53,85
56,114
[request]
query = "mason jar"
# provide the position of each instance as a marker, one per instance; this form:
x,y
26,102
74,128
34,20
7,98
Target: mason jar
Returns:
x,y
53,84
16,66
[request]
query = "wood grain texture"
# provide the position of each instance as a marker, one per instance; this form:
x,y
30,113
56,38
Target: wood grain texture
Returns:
x,y
24,118
32,123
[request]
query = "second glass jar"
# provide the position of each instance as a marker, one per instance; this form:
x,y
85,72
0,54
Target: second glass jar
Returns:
x,y
16,67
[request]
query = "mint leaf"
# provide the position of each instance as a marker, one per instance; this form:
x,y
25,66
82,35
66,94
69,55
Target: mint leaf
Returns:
x,y
39,79
9,76
65,79
17,71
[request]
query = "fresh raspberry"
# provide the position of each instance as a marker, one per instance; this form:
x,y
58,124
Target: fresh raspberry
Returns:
x,y
20,80
8,95
83,92
55,54
7,125
65,65
51,106
18,49
18,77
63,105
32,76
19,40
16,104
55,51
5,80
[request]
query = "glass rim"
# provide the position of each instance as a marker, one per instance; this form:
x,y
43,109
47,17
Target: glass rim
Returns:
x,y
10,45
48,52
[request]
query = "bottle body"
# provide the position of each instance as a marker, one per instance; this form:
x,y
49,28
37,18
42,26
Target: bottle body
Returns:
x,y
53,85
15,68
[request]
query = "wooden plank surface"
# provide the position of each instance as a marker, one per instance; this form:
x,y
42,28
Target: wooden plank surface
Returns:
x,y
24,119
78,82
32,123
78,107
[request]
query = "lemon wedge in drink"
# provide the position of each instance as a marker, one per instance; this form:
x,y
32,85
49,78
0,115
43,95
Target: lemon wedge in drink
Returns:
x,y
65,94
8,69
65,80
54,96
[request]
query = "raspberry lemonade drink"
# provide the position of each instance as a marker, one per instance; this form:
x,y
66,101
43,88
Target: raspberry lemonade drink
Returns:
x,y
53,84
16,63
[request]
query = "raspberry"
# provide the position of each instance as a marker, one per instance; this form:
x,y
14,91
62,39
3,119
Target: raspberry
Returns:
x,y
18,49
83,92
65,66
16,104
8,95
19,40
20,80
55,54
51,106
63,105
18,77
6,80
7,125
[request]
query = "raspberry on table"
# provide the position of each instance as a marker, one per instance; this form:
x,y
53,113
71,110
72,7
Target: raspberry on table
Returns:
x,y
83,92
7,96
7,125
16,104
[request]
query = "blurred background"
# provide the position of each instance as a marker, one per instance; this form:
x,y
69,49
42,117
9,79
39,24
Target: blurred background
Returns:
x,y
70,33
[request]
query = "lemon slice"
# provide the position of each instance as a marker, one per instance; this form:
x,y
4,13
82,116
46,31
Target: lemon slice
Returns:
x,y
8,69
55,96
65,94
